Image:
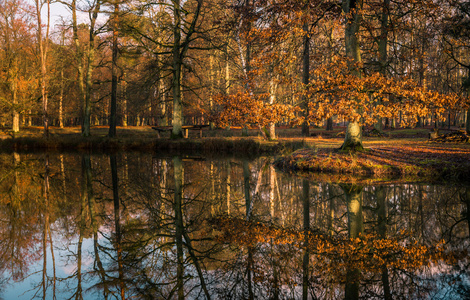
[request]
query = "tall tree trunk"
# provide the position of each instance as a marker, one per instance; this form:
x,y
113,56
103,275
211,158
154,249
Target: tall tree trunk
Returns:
x,y
305,79
43,47
177,122
61,99
114,78
211,87
383,50
352,10
272,99
16,115
80,63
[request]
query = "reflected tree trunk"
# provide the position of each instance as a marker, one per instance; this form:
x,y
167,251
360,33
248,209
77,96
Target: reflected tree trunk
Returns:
x,y
306,257
355,230
246,181
249,207
178,176
467,203
305,79
117,223
382,231
272,189
46,225
227,191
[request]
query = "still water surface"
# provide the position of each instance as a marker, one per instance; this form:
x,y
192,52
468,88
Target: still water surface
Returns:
x,y
136,226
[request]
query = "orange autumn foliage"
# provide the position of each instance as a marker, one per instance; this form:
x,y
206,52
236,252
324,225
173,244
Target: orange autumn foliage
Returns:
x,y
337,91
335,253
243,109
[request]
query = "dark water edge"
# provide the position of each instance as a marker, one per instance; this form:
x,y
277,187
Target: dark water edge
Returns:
x,y
146,226
207,146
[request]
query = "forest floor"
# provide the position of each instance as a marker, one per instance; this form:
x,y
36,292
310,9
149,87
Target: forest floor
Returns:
x,y
401,153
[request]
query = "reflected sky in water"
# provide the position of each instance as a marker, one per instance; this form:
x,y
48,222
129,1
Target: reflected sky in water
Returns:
x,y
136,226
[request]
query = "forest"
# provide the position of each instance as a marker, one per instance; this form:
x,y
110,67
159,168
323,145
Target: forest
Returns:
x,y
245,63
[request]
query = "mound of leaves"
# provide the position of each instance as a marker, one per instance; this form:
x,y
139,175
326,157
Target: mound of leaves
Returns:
x,y
424,162
459,136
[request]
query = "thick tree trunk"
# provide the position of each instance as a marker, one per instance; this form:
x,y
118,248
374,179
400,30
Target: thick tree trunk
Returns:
x,y
353,138
329,124
352,10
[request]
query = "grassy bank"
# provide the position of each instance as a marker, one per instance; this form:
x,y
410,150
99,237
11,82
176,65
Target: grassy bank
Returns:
x,y
385,160
143,139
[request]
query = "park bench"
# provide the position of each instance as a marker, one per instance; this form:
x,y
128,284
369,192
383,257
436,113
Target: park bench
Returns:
x,y
185,128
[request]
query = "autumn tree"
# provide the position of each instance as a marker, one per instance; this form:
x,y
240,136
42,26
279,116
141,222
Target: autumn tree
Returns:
x,y
85,57
18,83
43,45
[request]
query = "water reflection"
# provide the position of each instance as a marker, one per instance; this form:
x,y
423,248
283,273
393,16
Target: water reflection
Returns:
x,y
134,226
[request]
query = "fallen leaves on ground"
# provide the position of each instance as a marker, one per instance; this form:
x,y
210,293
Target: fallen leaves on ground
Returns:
x,y
425,160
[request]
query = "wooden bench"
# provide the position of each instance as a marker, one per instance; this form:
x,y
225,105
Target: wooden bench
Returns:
x,y
185,128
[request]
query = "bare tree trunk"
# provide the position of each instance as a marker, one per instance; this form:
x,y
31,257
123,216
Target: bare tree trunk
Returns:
x,y
114,70
272,99
43,47
16,115
61,99
305,79
177,121
383,49
80,64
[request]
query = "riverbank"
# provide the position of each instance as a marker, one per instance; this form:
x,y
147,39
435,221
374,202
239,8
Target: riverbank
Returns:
x,y
385,161
405,153
145,139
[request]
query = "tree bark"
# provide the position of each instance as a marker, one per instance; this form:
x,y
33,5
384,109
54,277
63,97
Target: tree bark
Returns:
x,y
114,83
272,99
177,121
352,10
305,79
43,56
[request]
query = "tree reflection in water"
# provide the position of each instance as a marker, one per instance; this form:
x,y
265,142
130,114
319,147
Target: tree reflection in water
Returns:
x,y
133,226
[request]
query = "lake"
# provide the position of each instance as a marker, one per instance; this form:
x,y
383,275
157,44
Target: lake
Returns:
x,y
147,226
